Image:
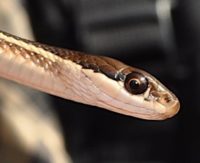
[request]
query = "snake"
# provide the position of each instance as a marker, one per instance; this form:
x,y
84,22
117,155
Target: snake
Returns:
x,y
94,80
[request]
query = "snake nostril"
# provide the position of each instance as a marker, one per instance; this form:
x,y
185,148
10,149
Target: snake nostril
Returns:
x,y
162,97
167,99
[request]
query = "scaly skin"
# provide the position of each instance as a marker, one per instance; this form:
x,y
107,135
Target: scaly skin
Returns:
x,y
92,80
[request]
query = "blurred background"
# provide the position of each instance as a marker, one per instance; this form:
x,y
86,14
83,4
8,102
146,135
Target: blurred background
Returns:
x,y
159,36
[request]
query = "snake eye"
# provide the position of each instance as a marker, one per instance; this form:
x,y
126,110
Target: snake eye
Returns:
x,y
136,83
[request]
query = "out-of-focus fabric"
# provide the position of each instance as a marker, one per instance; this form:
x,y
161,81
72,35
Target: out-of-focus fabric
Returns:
x,y
29,129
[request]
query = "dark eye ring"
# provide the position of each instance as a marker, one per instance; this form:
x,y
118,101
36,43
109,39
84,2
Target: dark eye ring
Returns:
x,y
136,83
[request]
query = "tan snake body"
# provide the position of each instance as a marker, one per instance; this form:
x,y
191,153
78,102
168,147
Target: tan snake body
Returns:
x,y
94,80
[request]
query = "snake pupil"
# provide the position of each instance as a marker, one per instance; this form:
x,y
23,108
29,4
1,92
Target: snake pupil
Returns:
x,y
136,83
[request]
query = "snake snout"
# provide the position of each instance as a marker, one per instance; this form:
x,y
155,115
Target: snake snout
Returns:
x,y
169,102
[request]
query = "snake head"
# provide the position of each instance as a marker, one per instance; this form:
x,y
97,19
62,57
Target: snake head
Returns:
x,y
157,98
152,98
134,92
